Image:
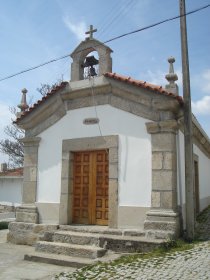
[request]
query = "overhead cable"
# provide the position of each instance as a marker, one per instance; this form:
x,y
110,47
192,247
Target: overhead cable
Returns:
x,y
107,41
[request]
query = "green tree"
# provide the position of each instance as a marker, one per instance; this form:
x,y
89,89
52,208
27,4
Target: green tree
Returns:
x,y
12,145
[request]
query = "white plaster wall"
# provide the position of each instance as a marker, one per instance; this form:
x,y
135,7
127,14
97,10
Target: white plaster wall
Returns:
x,y
204,174
135,171
204,178
134,152
11,190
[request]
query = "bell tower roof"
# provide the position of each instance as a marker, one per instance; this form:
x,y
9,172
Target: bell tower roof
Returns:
x,y
87,46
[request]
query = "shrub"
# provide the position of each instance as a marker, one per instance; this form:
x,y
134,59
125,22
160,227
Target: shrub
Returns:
x,y
4,225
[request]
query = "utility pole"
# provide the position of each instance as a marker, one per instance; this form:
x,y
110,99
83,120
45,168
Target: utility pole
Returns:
x,y
188,135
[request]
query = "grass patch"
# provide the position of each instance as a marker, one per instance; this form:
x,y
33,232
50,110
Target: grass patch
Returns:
x,y
4,225
171,246
203,216
176,245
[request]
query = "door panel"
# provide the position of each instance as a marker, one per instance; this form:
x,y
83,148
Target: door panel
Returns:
x,y
101,197
81,186
90,187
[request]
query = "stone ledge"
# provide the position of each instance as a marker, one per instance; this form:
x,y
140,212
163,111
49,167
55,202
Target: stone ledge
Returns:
x,y
6,208
31,141
27,214
162,126
60,260
27,217
28,233
163,213
162,221
160,234
160,225
28,208
129,244
74,250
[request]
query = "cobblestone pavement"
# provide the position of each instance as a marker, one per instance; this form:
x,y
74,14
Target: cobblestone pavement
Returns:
x,y
13,267
185,265
193,264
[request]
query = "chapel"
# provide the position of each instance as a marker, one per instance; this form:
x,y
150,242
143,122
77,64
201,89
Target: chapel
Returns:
x,y
107,150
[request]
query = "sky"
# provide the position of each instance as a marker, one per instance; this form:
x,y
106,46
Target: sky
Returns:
x,y
36,31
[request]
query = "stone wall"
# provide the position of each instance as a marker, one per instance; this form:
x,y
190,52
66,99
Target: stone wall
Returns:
x,y
6,208
163,218
29,233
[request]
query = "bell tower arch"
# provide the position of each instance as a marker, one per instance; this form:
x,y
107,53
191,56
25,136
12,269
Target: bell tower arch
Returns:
x,y
81,52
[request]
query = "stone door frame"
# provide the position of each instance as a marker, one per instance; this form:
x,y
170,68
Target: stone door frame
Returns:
x,y
88,144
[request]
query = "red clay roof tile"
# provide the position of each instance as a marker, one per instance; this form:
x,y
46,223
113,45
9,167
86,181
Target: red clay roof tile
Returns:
x,y
35,105
143,84
17,172
129,80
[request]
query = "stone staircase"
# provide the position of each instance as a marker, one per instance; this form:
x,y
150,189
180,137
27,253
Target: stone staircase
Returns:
x,y
78,246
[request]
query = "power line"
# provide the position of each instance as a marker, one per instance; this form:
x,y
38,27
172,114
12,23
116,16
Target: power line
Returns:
x,y
110,40
35,67
158,23
122,9
108,17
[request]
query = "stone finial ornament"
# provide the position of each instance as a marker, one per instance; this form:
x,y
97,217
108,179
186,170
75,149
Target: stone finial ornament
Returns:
x,y
171,77
23,104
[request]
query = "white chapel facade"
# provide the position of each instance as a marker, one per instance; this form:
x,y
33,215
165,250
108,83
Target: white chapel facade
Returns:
x,y
108,150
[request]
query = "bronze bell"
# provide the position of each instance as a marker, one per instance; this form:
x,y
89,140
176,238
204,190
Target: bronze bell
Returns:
x,y
92,71
89,62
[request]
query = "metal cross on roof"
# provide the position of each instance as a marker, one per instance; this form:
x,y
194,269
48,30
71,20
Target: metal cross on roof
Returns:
x,y
91,31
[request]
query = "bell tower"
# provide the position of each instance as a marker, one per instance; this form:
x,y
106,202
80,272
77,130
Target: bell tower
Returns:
x,y
84,65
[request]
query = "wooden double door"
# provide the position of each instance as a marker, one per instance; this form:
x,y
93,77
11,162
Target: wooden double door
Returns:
x,y
90,187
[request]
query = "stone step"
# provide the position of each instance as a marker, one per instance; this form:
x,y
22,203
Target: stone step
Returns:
x,y
160,234
80,238
134,232
58,259
83,251
116,243
101,230
129,244
90,229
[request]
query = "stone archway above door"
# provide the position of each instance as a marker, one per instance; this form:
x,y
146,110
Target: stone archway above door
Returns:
x,y
88,144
